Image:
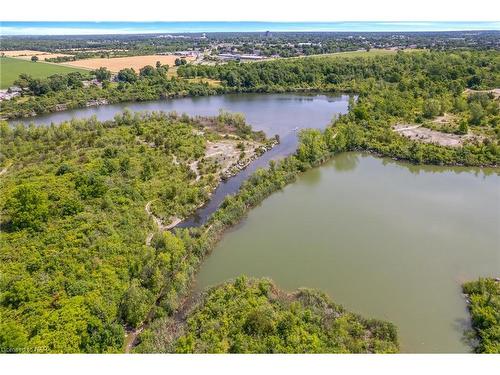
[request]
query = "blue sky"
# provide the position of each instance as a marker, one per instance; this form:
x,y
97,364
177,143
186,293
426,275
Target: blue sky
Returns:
x,y
86,28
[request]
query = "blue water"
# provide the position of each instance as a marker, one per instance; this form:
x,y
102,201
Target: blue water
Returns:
x,y
96,28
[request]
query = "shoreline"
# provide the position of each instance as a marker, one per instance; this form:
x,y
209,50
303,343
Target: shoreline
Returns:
x,y
217,233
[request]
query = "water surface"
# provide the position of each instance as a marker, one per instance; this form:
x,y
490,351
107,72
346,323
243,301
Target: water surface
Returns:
x,y
282,114
385,239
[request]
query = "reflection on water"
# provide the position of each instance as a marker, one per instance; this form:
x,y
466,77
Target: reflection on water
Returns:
x,y
385,239
419,168
347,163
274,114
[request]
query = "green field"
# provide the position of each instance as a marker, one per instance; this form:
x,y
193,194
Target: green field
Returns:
x,y
371,53
11,68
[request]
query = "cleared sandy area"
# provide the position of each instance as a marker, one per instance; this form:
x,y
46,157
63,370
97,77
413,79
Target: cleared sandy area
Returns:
x,y
495,92
421,134
445,119
227,154
27,54
117,63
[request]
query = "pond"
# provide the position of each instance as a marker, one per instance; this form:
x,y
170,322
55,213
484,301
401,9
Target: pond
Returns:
x,y
387,240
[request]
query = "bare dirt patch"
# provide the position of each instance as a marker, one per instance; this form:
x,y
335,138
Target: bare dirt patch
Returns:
x,y
421,134
115,64
495,92
445,119
230,157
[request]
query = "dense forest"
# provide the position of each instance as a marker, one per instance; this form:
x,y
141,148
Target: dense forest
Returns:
x,y
79,267
404,71
254,316
483,297
283,44
79,261
409,88
412,86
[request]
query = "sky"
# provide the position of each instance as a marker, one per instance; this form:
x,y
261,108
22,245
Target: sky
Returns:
x,y
89,28
285,15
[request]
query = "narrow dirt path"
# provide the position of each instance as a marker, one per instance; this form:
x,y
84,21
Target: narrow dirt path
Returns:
x,y
159,223
131,337
149,238
194,167
5,169
411,127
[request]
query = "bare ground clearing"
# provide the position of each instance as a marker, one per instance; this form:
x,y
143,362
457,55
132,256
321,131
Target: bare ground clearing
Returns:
x,y
495,92
421,134
446,118
226,153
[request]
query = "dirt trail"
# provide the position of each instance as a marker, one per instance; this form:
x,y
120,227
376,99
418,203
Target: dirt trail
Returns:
x,y
149,238
403,128
159,223
495,92
4,170
194,167
131,337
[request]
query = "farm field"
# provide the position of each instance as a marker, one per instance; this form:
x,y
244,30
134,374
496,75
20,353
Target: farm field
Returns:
x,y
26,54
362,53
11,68
372,52
118,63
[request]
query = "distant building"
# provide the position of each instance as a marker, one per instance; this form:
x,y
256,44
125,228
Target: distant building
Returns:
x,y
252,57
228,56
185,53
237,56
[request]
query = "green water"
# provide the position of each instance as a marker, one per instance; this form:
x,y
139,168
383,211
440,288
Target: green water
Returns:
x,y
385,239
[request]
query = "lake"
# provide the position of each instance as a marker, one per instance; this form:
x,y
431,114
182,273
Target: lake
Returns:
x,y
282,114
387,240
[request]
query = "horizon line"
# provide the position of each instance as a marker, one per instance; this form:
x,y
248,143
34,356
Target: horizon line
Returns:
x,y
96,28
